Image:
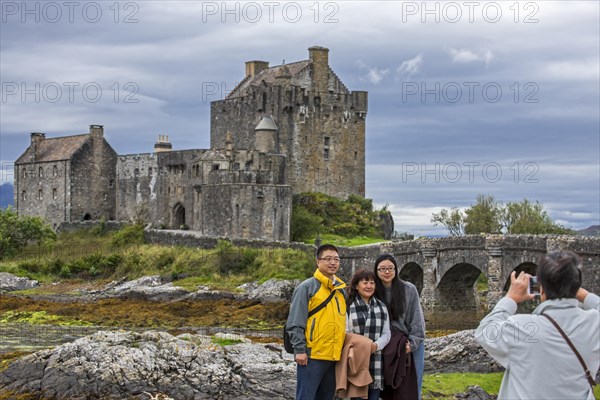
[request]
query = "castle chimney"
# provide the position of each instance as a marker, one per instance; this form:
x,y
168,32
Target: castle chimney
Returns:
x,y
254,67
97,130
162,144
36,139
319,58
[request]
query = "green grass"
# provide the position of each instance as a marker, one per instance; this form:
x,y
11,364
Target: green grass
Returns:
x,y
99,258
225,342
39,318
444,386
349,242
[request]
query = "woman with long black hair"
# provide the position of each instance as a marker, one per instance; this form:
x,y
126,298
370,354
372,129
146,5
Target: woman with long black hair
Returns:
x,y
404,307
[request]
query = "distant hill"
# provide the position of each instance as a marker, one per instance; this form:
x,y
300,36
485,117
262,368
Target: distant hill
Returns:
x,y
6,195
593,230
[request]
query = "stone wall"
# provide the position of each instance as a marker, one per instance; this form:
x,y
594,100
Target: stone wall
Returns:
x,y
138,187
42,190
244,211
93,181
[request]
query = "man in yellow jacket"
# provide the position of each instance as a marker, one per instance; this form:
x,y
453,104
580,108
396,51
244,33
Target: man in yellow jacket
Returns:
x,y
318,340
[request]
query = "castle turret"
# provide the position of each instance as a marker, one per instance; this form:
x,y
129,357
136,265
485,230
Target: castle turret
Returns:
x,y
319,57
265,135
162,144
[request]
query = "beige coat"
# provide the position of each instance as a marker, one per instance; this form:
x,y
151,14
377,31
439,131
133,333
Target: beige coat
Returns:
x,y
352,371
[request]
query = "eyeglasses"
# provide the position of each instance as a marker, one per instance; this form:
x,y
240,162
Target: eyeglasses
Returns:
x,y
330,259
390,269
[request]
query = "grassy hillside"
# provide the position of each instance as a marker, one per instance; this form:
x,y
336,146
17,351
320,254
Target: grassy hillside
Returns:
x,y
318,214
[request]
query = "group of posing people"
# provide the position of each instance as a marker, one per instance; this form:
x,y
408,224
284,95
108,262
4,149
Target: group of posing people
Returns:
x,y
380,313
366,341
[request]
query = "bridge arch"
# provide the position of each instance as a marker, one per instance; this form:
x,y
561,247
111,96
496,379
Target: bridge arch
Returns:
x,y
456,288
413,273
527,267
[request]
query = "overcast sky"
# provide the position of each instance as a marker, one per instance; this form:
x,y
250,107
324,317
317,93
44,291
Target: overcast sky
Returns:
x,y
471,97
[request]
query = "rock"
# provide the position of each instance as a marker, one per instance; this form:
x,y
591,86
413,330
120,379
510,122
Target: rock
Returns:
x,y
272,290
10,282
458,352
475,393
149,288
130,365
206,294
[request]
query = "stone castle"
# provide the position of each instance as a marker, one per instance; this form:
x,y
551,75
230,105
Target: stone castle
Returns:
x,y
283,130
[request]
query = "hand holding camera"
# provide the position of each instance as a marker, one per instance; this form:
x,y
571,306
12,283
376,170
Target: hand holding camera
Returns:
x,y
534,286
519,289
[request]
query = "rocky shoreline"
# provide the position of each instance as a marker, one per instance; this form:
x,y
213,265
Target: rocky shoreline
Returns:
x,y
133,365
155,364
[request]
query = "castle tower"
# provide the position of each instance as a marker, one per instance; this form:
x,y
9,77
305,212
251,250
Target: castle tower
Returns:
x,y
319,124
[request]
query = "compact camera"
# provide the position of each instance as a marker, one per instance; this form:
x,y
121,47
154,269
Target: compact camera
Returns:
x,y
534,287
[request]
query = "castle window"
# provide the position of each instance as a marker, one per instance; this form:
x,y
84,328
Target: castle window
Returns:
x,y
105,196
40,195
23,195
355,155
55,170
215,167
326,153
264,102
326,140
53,194
111,183
41,171
236,166
149,171
136,172
24,173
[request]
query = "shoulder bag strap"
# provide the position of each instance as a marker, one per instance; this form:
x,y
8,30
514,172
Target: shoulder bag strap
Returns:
x,y
323,304
588,375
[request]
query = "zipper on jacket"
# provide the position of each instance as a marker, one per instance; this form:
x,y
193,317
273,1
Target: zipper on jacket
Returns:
x,y
312,328
337,302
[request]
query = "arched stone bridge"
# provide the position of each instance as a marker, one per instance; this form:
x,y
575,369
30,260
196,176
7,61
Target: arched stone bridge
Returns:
x,y
446,270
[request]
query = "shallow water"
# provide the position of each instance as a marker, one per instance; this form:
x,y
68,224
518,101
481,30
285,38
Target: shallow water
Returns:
x,y
29,337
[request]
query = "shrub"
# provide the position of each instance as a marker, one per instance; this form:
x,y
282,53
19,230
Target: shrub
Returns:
x,y
129,235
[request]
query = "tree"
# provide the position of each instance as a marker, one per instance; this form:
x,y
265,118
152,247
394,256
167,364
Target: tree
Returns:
x,y
18,231
489,216
304,225
484,216
453,221
528,217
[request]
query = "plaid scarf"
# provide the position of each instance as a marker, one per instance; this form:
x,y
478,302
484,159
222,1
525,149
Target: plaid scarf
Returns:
x,y
368,320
